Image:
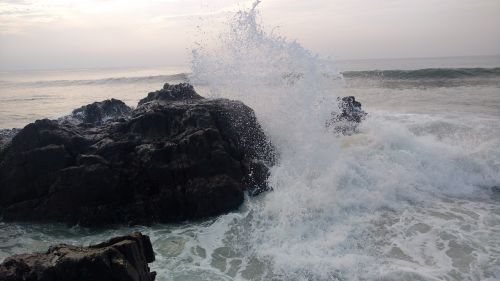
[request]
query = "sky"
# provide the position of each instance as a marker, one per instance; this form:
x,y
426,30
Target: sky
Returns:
x,y
57,34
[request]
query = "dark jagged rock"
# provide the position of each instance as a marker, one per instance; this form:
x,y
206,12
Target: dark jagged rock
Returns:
x,y
169,160
122,258
350,114
6,135
98,112
169,92
351,110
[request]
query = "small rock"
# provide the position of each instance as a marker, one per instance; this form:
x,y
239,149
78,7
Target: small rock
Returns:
x,y
99,112
183,91
122,258
347,119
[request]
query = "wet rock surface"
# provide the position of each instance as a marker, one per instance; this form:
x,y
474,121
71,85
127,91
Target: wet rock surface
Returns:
x,y
170,159
6,136
99,112
122,258
345,121
169,92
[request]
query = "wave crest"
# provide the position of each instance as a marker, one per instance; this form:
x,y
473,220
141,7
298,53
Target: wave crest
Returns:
x,y
427,73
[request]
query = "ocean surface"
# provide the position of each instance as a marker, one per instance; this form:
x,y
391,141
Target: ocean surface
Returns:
x,y
415,195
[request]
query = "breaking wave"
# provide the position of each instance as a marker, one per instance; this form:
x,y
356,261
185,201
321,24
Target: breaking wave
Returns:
x,y
386,204
410,197
428,73
289,76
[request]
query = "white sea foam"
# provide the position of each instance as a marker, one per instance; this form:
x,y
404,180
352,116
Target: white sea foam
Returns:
x,y
408,198
380,204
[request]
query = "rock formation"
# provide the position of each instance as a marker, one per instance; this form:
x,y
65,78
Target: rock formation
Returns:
x,y
123,258
346,120
99,112
177,156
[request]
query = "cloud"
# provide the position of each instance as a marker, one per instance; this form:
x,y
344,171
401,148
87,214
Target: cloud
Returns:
x,y
18,2
111,31
16,16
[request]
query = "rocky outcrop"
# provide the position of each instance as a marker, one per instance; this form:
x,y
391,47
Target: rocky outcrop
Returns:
x,y
345,121
170,159
98,112
169,92
123,258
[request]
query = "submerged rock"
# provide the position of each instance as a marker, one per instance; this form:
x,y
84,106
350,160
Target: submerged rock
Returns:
x,y
122,258
168,160
346,120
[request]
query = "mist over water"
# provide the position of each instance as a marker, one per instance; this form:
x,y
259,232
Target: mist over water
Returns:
x,y
410,197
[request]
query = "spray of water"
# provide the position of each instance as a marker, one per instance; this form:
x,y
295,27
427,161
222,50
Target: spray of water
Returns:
x,y
338,207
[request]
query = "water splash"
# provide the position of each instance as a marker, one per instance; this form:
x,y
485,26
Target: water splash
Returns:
x,y
408,198
253,65
336,210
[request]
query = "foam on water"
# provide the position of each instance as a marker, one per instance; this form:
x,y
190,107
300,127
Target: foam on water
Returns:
x,y
410,197
387,203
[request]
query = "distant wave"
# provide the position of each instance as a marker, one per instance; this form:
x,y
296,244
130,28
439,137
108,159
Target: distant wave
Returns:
x,y
428,73
112,80
420,74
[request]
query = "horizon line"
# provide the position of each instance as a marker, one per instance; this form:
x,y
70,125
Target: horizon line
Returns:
x,y
187,65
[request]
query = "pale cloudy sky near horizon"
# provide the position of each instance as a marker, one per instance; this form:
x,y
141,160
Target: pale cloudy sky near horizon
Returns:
x,y
55,34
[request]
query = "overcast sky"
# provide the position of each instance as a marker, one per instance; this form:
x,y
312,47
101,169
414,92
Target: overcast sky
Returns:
x,y
57,34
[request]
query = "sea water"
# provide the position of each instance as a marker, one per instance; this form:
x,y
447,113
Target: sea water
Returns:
x,y
415,195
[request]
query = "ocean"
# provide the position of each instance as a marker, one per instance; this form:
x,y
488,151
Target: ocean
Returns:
x,y
414,195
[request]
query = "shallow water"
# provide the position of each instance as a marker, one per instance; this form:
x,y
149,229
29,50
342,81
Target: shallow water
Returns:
x,y
410,197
